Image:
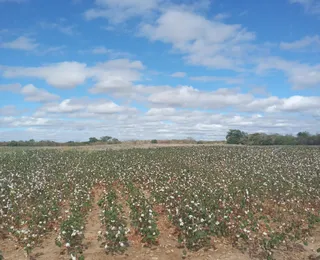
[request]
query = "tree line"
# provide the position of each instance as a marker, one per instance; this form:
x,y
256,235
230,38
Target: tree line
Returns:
x,y
32,142
235,136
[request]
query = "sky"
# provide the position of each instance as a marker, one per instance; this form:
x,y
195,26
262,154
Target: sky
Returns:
x,y
158,69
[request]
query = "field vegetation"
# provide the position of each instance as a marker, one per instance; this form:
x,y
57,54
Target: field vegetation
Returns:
x,y
261,200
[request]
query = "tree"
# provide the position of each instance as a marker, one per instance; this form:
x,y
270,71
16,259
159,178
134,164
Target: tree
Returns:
x,y
235,136
105,138
304,137
93,140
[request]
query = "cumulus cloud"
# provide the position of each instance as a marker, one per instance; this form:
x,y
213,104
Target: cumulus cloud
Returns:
x,y
15,88
310,6
186,96
308,43
9,110
300,75
21,43
161,111
155,123
82,107
209,43
60,26
221,16
107,107
179,74
296,104
100,50
60,75
115,76
192,98
120,11
227,80
71,74
33,94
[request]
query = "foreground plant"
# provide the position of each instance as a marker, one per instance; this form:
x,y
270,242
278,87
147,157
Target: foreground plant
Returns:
x,y
114,237
258,198
142,215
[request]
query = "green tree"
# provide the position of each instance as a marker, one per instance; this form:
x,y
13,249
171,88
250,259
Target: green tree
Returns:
x,y
93,140
304,137
235,136
105,138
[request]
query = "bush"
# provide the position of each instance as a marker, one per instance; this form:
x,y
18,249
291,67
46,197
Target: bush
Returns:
x,y
154,141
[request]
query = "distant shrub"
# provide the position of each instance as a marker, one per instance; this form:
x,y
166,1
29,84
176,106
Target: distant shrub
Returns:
x,y
154,141
200,142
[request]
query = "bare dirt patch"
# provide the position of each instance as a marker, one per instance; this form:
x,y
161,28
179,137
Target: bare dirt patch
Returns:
x,y
93,226
9,248
299,251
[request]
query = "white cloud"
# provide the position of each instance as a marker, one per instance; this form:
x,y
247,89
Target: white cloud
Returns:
x,y
61,27
66,106
300,75
82,108
9,110
50,50
227,80
179,74
156,123
33,94
107,107
190,97
221,16
21,43
259,90
60,75
100,50
168,111
15,88
310,6
296,104
308,43
120,11
113,76
204,42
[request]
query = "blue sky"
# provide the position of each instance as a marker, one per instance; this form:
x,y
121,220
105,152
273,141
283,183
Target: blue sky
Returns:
x,y
144,69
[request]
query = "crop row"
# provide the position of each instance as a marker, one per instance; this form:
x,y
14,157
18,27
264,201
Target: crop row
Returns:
x,y
259,198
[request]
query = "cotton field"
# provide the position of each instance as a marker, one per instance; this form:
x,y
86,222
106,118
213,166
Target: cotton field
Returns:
x,y
260,200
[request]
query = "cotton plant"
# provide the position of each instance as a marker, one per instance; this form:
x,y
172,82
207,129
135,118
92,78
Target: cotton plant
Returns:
x,y
257,199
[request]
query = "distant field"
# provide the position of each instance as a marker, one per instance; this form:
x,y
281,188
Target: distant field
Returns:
x,y
179,201
123,145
